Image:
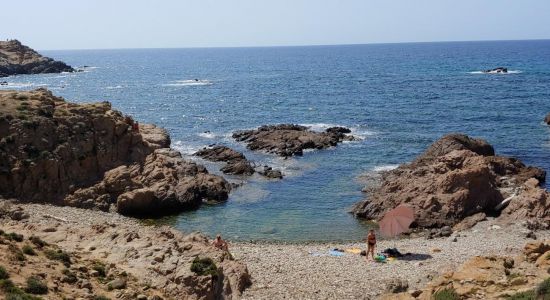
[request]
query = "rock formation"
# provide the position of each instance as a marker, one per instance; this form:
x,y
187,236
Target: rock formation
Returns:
x,y
492,277
547,119
289,139
458,177
237,164
16,58
84,254
89,155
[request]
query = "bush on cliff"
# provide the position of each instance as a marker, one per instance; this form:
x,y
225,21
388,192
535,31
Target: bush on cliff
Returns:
x,y
3,273
204,266
36,286
59,255
446,294
543,289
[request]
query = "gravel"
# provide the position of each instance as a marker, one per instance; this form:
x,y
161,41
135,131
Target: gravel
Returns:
x,y
283,271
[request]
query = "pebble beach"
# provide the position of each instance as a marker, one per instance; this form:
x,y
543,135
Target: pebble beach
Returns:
x,y
307,271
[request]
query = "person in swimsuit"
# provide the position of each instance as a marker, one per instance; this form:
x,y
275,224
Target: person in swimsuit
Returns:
x,y
371,243
220,243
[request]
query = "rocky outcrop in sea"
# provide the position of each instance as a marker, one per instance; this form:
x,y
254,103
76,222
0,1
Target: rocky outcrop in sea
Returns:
x,y
91,156
458,179
236,162
16,58
290,139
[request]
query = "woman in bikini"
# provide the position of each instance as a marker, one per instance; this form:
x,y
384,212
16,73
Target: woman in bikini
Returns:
x,y
371,243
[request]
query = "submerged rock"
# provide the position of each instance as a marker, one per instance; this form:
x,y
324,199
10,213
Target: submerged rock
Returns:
x,y
90,156
16,58
289,139
458,177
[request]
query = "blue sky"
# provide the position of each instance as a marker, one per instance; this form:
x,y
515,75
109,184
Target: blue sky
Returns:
x,y
92,24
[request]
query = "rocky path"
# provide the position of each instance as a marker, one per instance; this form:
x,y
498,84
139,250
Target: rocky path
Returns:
x,y
291,271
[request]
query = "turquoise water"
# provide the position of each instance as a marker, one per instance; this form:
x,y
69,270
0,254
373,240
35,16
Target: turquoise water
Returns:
x,y
397,97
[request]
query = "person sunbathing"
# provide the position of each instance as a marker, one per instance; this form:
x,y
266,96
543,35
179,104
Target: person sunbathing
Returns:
x,y
220,243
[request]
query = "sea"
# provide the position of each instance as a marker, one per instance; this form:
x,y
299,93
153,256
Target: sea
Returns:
x,y
396,98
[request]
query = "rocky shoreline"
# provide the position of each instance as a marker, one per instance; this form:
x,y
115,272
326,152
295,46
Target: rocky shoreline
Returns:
x,y
16,58
152,262
458,181
91,156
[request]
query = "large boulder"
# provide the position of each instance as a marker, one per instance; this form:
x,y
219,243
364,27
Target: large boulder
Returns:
x,y
16,58
457,177
289,139
90,156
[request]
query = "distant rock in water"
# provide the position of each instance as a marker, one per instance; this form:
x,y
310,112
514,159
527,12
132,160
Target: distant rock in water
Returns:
x,y
91,156
458,177
547,119
496,70
289,139
16,58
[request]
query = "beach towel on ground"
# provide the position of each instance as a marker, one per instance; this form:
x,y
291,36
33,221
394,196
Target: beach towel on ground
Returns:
x,y
353,250
335,253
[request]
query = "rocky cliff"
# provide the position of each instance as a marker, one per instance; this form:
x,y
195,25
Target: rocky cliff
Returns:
x,y
458,177
91,156
16,58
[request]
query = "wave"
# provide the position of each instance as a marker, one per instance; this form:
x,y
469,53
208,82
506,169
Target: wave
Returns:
x,y
384,168
114,87
189,82
359,132
186,149
207,134
509,72
21,85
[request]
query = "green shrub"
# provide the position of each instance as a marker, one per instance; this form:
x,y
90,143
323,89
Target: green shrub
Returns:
x,y
59,255
543,290
37,241
101,298
27,249
204,266
14,237
14,293
36,286
100,268
527,295
17,253
70,277
446,294
3,273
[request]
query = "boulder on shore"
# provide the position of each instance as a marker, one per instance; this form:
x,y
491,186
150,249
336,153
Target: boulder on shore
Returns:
x,y
91,156
290,139
455,178
16,58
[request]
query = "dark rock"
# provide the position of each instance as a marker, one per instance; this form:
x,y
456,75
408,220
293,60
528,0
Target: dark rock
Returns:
x,y
270,173
547,119
397,285
289,139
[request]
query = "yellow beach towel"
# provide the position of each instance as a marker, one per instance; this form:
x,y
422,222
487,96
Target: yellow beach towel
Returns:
x,y
353,250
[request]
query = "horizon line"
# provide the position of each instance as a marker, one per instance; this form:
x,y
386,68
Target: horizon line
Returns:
x,y
299,45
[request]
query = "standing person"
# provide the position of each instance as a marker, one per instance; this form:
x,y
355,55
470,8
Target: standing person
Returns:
x,y
220,243
371,243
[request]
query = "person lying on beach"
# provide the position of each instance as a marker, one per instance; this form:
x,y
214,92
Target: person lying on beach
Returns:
x,y
220,243
371,243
